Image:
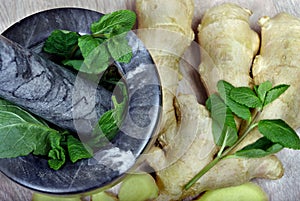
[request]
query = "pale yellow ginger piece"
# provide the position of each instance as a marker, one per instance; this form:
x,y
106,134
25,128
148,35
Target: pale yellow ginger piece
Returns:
x,y
138,187
172,15
165,29
103,196
245,192
45,197
193,148
279,62
228,46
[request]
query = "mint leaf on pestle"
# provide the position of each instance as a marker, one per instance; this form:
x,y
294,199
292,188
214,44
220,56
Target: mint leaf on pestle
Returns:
x,y
22,134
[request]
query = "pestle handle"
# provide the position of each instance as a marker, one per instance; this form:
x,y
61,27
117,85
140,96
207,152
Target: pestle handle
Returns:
x,y
48,90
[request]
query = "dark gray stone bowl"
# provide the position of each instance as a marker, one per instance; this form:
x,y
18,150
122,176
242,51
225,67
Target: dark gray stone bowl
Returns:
x,y
141,120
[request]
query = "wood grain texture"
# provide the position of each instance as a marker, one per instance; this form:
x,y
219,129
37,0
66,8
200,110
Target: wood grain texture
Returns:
x,y
14,10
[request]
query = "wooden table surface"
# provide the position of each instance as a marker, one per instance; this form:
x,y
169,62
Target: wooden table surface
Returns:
x,y
14,10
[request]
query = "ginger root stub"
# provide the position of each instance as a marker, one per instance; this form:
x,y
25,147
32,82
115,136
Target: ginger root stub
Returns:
x,y
228,46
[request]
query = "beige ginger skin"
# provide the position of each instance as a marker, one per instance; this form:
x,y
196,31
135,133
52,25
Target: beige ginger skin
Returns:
x,y
166,33
186,143
194,147
279,62
228,46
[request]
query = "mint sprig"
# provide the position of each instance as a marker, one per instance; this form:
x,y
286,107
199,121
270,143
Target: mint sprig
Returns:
x,y
94,53
21,134
240,101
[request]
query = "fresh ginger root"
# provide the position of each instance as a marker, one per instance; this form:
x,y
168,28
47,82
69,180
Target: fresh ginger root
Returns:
x,y
194,147
279,62
228,46
165,29
186,142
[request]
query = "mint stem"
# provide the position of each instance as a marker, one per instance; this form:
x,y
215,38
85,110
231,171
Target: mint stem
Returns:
x,y
226,153
202,172
223,145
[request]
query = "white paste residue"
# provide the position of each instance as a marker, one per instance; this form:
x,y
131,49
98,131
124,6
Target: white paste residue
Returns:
x,y
116,159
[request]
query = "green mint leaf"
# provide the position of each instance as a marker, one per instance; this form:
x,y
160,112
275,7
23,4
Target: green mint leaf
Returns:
x,y
61,43
279,132
225,135
4,102
262,147
95,53
262,90
120,107
76,64
220,112
57,156
21,133
224,89
255,88
105,130
274,93
119,48
245,96
114,23
87,44
223,126
238,109
77,54
6,106
208,102
110,122
77,150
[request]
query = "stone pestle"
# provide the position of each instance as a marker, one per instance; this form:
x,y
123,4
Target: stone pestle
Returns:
x,y
50,91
